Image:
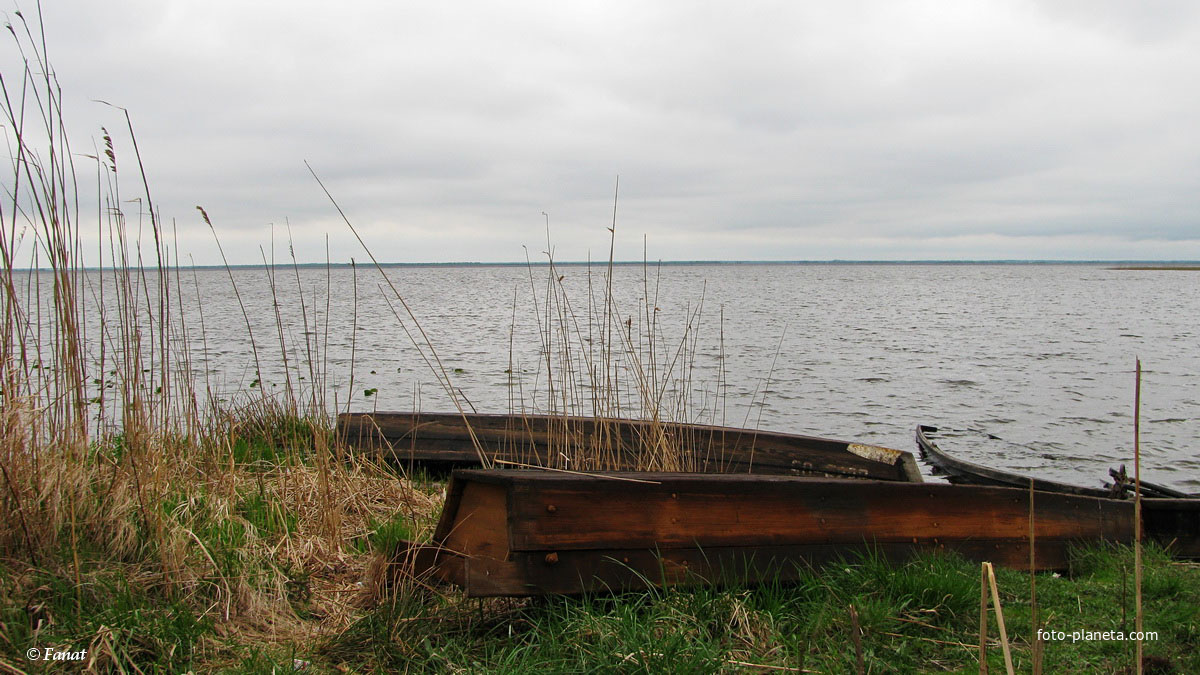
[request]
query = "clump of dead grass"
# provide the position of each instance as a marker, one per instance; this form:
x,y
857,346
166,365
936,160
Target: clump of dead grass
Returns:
x,y
317,578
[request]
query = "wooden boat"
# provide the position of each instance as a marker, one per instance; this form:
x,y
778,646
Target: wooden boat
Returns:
x,y
1170,517
588,443
960,471
517,533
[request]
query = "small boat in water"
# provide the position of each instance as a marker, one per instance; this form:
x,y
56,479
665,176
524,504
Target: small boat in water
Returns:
x,y
958,470
1169,516
520,533
452,440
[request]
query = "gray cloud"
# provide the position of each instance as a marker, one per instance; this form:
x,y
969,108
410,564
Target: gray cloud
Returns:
x,y
777,130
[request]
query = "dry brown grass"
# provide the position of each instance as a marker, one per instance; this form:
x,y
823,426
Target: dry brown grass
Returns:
x,y
337,575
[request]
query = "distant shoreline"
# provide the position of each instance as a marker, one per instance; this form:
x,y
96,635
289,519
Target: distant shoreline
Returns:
x,y
1159,268
1131,265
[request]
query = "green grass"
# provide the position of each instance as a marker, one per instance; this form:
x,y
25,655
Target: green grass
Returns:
x,y
266,435
109,614
916,617
270,518
385,535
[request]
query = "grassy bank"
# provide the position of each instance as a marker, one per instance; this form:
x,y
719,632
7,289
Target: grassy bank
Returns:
x,y
263,581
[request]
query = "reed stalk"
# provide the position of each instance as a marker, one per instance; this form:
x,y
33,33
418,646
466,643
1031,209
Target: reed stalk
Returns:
x,y
1137,508
856,640
988,582
991,578
983,618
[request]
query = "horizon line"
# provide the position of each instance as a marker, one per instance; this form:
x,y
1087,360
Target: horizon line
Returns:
x,y
625,263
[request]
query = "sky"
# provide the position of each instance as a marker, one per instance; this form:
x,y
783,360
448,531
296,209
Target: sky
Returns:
x,y
457,131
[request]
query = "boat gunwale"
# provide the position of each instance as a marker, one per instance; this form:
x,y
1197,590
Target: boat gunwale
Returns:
x,y
768,434
620,481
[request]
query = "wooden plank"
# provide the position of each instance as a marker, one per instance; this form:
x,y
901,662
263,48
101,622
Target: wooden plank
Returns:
x,y
572,513
616,570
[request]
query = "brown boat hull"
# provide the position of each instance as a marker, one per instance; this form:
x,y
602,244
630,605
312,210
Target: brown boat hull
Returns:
x,y
588,443
515,533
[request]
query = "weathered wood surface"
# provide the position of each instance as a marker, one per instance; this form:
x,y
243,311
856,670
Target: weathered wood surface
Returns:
x,y
570,534
585,443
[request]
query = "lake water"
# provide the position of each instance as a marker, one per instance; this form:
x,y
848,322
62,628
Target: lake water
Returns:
x,y
1040,356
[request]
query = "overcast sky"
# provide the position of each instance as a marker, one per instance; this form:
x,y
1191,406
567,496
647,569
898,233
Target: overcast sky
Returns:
x,y
754,131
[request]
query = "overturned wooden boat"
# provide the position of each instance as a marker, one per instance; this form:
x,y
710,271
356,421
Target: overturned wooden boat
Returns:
x,y
592,443
519,533
1170,517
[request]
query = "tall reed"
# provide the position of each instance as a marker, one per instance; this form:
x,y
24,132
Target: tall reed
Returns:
x,y
602,360
117,450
